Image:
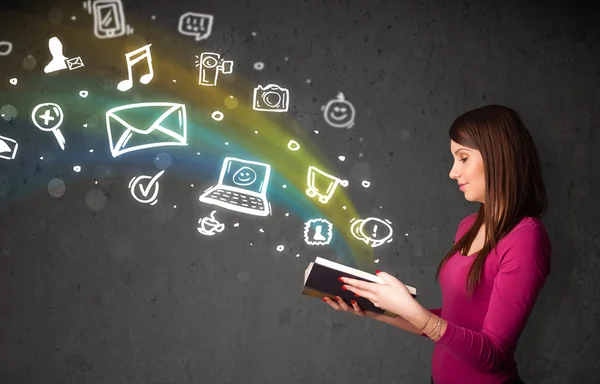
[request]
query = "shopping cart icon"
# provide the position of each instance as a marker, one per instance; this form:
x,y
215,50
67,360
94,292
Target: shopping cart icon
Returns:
x,y
322,184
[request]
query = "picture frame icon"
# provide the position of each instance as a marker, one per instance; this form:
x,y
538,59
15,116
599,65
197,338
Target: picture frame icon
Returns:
x,y
8,148
271,98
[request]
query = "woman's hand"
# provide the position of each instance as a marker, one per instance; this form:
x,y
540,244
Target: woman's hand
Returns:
x,y
340,305
392,296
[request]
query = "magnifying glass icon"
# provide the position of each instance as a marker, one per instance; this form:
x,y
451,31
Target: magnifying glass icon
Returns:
x,y
49,117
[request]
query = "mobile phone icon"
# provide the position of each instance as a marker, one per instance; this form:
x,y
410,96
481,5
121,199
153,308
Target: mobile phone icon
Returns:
x,y
109,18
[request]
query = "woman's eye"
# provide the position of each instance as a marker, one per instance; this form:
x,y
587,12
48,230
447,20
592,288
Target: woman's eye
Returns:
x,y
463,160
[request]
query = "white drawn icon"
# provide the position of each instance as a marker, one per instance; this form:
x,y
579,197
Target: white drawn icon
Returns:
x,y
339,112
49,117
318,232
147,194
132,59
372,231
196,24
145,125
209,225
109,18
8,148
271,98
210,65
322,184
242,187
5,48
59,60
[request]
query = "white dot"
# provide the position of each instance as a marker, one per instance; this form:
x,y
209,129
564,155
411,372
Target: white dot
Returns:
x,y
261,230
85,125
192,185
153,17
280,247
13,81
198,153
366,184
284,186
250,243
308,81
344,207
175,206
174,80
253,33
360,155
73,17
83,93
96,182
317,132
41,157
91,150
217,115
406,234
377,261
342,158
236,224
77,168
293,145
227,143
297,255
259,65
286,58
287,213
360,139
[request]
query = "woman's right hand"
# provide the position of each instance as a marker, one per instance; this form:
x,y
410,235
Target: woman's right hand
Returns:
x,y
340,305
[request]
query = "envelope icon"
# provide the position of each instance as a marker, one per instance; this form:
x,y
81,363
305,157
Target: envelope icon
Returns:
x,y
74,63
145,125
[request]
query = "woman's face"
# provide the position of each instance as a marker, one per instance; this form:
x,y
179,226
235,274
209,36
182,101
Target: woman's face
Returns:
x,y
468,169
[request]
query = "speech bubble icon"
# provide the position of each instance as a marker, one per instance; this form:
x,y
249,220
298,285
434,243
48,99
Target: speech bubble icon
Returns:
x,y
196,24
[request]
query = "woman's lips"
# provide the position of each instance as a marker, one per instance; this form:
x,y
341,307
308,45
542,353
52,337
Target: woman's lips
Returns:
x,y
462,186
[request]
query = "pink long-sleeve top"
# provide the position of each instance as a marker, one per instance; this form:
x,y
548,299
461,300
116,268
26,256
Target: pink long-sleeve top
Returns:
x,y
482,334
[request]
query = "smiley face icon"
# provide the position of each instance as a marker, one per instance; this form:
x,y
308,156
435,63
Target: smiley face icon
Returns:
x,y
339,112
244,176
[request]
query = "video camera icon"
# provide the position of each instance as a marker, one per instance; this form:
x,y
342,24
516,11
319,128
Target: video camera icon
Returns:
x,y
211,65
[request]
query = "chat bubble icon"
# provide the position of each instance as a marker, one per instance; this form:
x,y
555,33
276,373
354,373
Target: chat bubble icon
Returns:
x,y
196,24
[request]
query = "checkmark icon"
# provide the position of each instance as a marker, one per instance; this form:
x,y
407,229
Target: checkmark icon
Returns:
x,y
146,196
146,191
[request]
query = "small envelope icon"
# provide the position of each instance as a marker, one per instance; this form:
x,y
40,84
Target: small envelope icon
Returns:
x,y
74,63
145,125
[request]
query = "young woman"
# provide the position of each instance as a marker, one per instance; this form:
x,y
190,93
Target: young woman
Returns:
x,y
491,277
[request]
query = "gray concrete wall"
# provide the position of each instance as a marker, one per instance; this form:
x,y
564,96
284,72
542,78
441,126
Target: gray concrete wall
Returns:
x,y
96,287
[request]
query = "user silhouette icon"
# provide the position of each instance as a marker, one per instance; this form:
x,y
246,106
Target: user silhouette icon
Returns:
x,y
318,235
58,59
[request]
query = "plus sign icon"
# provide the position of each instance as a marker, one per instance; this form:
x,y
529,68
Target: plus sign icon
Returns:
x,y
49,117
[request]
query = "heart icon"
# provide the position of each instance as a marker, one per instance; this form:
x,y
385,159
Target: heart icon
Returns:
x,y
83,93
13,81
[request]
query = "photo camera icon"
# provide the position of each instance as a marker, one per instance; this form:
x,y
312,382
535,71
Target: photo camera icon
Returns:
x,y
196,24
271,98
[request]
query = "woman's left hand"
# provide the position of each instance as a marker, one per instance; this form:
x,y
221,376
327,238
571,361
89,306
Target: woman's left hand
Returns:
x,y
392,296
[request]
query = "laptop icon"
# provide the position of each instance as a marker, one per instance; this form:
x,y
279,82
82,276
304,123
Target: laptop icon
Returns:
x,y
242,187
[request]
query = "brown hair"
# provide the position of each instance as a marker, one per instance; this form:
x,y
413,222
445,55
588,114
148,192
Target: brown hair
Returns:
x,y
513,181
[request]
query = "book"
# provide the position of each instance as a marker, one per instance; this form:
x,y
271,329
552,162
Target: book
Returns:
x,y
321,280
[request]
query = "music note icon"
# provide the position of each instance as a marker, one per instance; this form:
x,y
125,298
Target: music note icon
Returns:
x,y
133,58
